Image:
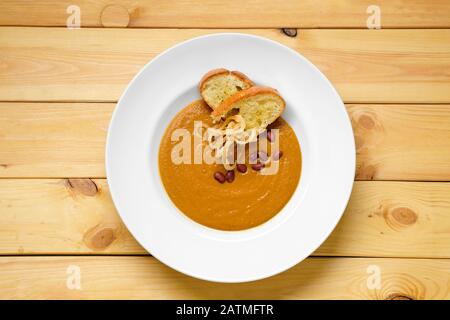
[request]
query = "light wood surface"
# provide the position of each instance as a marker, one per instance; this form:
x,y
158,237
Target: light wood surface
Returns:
x,y
230,14
61,216
53,139
402,142
59,64
394,142
77,216
146,278
58,89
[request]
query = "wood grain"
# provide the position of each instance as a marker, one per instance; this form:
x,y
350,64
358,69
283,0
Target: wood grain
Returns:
x,y
77,216
61,216
402,142
405,138
393,219
58,64
394,142
232,13
146,278
53,139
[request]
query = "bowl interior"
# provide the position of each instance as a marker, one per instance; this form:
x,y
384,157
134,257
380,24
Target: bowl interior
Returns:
x,y
291,114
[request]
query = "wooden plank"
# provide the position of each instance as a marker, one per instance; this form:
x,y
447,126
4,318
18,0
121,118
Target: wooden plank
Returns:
x,y
229,14
402,142
146,278
394,142
383,219
61,216
53,139
58,64
393,219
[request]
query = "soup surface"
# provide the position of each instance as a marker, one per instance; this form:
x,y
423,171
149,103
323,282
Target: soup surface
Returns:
x,y
250,200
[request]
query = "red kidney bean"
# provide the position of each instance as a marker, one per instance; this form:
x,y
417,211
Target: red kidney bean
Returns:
x,y
230,176
257,166
219,176
242,168
277,155
262,156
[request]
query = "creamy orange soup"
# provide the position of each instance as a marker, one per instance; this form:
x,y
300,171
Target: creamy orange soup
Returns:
x,y
249,200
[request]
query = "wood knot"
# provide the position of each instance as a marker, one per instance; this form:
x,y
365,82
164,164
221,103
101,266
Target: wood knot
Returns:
x,y
99,238
290,32
115,16
398,296
401,217
404,215
366,121
86,187
366,172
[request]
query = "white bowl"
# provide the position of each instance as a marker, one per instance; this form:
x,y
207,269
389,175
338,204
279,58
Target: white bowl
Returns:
x,y
315,112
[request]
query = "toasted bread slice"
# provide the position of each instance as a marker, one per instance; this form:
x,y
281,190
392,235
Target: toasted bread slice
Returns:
x,y
220,84
259,106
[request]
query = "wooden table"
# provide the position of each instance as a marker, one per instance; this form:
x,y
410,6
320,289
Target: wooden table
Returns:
x,y
58,88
